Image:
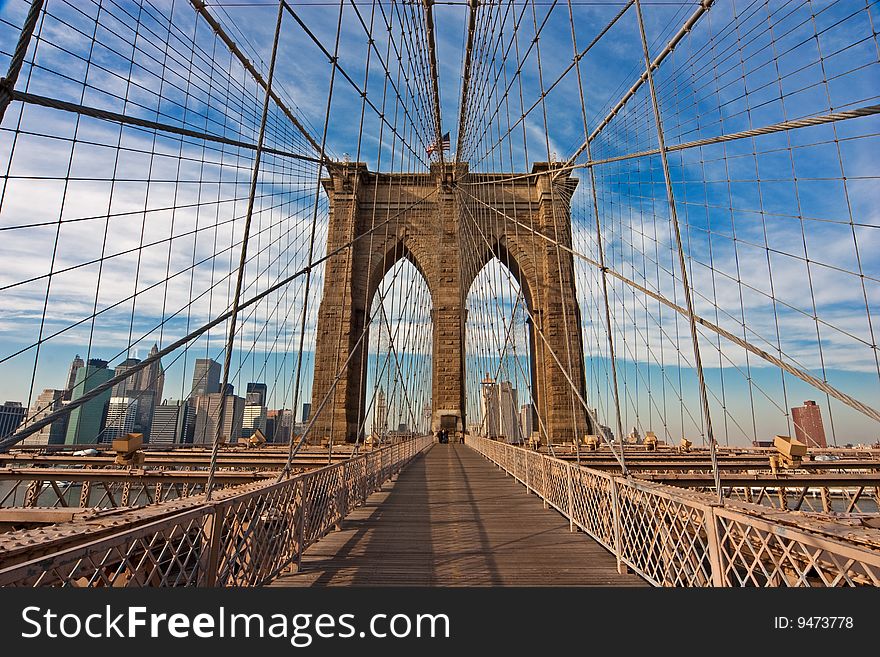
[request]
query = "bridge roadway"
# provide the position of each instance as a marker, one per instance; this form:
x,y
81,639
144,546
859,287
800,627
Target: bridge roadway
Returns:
x,y
451,518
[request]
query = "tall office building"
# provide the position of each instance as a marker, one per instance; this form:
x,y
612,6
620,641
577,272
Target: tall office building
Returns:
x,y
253,418
169,420
426,418
11,415
380,414
527,420
87,421
205,381
49,401
139,420
808,426
146,386
151,385
125,386
207,414
268,429
206,377
75,366
307,410
122,414
282,419
499,407
190,414
152,377
256,394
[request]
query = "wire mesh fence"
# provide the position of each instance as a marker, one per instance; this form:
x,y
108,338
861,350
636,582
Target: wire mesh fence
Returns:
x,y
242,538
675,537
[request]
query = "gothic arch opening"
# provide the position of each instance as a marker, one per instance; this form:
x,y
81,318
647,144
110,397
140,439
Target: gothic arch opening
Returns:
x,y
396,390
501,386
388,253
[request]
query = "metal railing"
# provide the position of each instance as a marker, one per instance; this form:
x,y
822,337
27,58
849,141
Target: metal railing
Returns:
x,y
241,539
677,537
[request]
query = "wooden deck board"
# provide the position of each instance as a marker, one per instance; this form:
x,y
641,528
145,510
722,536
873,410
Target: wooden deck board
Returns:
x,y
453,519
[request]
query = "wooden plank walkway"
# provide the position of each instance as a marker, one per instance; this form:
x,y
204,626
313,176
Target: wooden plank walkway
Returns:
x,y
453,519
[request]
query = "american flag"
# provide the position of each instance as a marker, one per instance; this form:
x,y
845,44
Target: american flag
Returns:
x,y
444,144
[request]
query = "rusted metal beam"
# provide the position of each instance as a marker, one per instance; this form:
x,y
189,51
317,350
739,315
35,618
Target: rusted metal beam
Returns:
x,y
138,476
726,465
28,555
24,545
42,515
172,460
782,480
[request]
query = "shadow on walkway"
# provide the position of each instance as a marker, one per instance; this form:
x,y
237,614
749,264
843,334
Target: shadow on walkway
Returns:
x,y
453,519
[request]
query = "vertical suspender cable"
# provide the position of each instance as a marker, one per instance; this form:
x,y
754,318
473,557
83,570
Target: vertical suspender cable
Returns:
x,y
689,302
236,299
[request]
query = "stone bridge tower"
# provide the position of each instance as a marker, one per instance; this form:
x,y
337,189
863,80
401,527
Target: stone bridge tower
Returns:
x,y
449,223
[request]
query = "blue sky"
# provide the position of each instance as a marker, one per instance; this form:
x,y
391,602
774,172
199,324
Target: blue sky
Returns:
x,y
802,228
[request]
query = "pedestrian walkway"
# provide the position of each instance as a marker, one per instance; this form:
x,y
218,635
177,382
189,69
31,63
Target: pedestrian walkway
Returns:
x,y
451,518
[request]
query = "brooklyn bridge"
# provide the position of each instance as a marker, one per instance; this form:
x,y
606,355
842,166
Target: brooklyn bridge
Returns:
x,y
439,293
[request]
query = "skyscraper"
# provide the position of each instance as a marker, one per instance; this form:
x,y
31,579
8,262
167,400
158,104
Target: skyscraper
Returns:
x,y
130,389
808,426
145,386
49,401
122,414
122,388
380,414
206,377
75,366
499,407
282,419
169,419
267,426
527,421
87,421
152,377
252,418
207,414
150,386
256,394
11,415
510,426
426,417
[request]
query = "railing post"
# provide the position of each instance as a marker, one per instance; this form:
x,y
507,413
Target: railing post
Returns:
x,y
303,520
615,508
363,482
528,468
342,498
568,469
544,479
714,544
215,537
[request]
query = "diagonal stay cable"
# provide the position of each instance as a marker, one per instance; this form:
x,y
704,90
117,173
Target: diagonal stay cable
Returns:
x,y
801,374
24,432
